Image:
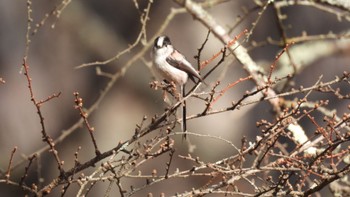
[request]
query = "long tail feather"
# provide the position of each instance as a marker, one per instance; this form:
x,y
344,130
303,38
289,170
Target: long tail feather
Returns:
x,y
184,123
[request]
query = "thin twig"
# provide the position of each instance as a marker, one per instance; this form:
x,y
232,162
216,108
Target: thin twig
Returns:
x,y
8,172
79,106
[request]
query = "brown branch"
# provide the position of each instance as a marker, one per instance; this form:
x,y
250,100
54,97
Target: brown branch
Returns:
x,y
142,37
167,168
23,187
255,23
79,106
222,174
280,17
318,127
120,147
203,64
49,98
239,52
26,169
37,105
327,181
229,86
208,101
8,172
198,56
273,65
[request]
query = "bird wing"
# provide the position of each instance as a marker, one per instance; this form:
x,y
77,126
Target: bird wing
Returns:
x,y
177,60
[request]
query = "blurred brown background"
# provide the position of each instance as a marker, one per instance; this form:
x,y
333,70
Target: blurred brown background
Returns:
x,y
89,31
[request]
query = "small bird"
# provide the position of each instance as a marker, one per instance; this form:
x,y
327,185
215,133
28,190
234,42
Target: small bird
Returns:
x,y
170,63
173,67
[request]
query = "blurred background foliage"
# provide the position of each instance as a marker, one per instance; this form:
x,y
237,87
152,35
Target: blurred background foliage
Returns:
x,y
89,31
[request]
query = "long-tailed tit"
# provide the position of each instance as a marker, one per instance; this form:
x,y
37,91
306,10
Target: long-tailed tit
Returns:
x,y
173,67
171,64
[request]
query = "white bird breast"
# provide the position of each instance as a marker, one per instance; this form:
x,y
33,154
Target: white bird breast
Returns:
x,y
167,71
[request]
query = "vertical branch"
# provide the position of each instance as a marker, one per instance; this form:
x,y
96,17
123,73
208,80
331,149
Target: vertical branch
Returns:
x,y
8,172
26,169
255,23
280,17
167,168
198,56
46,138
79,106
273,65
29,26
37,104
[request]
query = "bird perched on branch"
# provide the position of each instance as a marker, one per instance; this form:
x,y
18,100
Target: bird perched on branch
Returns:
x,y
173,67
